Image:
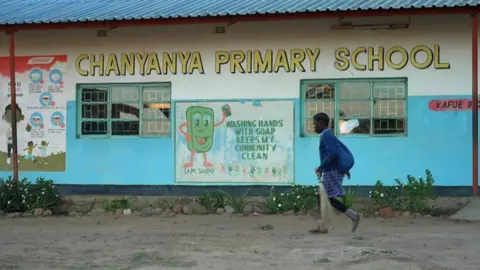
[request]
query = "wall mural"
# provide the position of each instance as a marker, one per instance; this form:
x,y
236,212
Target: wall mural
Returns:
x,y
40,113
234,142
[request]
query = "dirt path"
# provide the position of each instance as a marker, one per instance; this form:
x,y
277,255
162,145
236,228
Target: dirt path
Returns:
x,y
229,242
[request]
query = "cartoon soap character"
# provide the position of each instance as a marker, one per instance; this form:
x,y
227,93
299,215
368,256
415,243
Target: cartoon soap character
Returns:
x,y
29,149
200,131
7,132
42,157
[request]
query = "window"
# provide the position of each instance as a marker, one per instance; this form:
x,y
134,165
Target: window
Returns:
x,y
124,110
365,107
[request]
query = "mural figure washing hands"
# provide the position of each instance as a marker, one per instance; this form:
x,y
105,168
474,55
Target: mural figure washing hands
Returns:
x,y
200,131
42,157
30,148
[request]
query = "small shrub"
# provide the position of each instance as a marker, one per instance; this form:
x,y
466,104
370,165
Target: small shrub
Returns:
x,y
218,200
385,196
213,200
414,195
42,194
12,195
276,202
238,203
270,203
301,198
418,193
349,198
22,195
206,201
112,205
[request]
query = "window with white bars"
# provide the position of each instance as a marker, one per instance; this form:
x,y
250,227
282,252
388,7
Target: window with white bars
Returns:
x,y
366,106
106,110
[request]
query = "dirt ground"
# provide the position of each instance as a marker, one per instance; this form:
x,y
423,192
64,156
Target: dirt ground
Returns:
x,y
231,242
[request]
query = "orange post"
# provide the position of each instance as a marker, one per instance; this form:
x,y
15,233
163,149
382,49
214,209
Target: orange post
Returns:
x,y
475,103
13,100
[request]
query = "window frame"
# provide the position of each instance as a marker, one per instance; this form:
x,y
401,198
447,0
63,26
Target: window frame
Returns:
x,y
109,119
337,82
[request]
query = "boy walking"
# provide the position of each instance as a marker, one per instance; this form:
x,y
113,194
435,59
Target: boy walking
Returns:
x,y
336,162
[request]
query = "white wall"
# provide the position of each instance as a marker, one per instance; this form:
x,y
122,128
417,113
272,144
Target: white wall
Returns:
x,y
452,33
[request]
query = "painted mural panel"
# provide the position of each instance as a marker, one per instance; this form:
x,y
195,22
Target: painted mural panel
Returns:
x,y
41,113
248,142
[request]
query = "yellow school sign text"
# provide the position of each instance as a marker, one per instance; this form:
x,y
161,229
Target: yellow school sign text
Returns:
x,y
258,61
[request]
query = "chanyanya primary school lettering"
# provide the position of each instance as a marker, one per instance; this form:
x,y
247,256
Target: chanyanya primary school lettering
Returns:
x,y
148,106
256,61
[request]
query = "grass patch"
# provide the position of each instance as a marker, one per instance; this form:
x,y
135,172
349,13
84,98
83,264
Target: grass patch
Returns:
x,y
56,163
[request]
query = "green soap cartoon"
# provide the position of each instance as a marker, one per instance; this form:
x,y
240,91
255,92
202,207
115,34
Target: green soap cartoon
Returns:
x,y
200,131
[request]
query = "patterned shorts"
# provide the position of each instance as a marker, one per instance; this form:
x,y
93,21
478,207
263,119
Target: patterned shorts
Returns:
x,y
333,183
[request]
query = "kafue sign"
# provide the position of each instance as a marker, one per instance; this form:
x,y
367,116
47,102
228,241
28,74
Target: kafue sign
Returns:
x,y
451,105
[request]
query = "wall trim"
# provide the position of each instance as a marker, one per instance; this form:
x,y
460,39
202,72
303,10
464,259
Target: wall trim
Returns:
x,y
184,190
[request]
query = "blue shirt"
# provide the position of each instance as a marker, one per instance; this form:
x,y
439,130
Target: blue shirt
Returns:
x,y
334,154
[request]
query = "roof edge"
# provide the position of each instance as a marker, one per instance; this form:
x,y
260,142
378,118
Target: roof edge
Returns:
x,y
99,24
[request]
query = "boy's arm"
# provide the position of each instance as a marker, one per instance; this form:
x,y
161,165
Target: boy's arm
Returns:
x,y
330,143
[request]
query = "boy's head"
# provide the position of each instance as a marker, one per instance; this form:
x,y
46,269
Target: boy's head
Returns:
x,y
30,143
320,122
7,115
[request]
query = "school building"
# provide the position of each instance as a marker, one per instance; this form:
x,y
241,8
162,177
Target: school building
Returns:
x,y
141,97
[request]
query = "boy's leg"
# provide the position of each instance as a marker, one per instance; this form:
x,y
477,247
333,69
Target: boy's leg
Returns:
x,y
352,214
338,205
335,189
322,226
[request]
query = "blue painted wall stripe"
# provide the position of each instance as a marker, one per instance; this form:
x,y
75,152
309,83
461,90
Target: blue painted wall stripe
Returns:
x,y
439,141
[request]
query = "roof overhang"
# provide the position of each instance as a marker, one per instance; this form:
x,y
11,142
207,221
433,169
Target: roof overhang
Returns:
x,y
238,18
